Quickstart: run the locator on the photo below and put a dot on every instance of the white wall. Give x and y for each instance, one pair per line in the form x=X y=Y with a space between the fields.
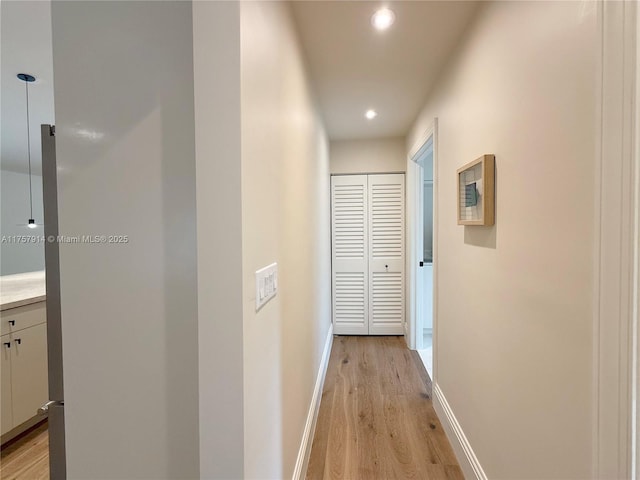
x=125 y=150
x=285 y=219
x=195 y=386
x=216 y=53
x=262 y=172
x=20 y=53
x=14 y=214
x=382 y=155
x=514 y=354
x=24 y=53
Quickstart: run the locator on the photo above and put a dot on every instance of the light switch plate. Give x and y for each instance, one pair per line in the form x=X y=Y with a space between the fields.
x=266 y=284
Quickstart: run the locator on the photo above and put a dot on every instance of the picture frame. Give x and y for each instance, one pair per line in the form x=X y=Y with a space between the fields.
x=476 y=192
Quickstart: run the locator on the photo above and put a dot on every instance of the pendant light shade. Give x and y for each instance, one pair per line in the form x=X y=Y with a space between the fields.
x=27 y=79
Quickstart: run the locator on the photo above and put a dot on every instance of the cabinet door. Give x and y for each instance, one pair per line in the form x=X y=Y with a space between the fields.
x=386 y=254
x=6 y=421
x=28 y=372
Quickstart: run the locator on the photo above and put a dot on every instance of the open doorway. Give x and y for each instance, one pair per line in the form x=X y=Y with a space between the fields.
x=425 y=295
x=422 y=245
x=30 y=350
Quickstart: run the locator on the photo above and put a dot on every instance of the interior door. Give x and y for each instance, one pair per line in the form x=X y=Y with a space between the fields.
x=386 y=254
x=349 y=241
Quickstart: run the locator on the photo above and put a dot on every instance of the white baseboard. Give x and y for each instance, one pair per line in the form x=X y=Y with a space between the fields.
x=310 y=426
x=466 y=457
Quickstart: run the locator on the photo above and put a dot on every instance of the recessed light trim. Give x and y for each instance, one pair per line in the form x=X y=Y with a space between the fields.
x=371 y=114
x=383 y=19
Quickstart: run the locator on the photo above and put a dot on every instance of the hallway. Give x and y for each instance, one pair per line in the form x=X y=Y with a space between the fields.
x=376 y=418
x=231 y=194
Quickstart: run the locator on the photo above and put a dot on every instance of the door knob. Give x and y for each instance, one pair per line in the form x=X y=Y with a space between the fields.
x=12 y=323
x=422 y=264
x=7 y=344
x=18 y=341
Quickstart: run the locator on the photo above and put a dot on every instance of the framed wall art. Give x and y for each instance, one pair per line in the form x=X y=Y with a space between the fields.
x=476 y=192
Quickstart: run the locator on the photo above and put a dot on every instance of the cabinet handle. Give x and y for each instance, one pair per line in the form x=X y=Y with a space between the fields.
x=18 y=341
x=12 y=323
x=7 y=344
x=44 y=409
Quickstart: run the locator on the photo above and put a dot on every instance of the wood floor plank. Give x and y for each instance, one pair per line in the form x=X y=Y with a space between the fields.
x=391 y=382
x=369 y=410
x=27 y=457
x=379 y=422
x=430 y=434
x=422 y=371
x=317 y=461
x=444 y=472
x=453 y=472
x=319 y=445
x=399 y=449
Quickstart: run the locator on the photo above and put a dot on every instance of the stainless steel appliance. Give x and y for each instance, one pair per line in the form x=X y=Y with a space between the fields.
x=55 y=406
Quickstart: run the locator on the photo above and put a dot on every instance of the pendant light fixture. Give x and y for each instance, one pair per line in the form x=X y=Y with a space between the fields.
x=27 y=79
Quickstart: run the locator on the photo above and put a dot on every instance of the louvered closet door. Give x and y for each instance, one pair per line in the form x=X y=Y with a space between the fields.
x=386 y=257
x=349 y=254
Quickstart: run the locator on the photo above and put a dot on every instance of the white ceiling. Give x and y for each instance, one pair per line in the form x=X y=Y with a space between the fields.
x=25 y=40
x=354 y=67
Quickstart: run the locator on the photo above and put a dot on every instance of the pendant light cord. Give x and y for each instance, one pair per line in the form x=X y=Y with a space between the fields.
x=26 y=86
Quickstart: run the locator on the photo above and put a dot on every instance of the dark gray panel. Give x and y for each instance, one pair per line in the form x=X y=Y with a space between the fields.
x=57 y=458
x=57 y=452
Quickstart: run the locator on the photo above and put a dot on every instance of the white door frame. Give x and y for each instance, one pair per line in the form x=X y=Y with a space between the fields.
x=636 y=276
x=616 y=247
x=415 y=246
x=415 y=190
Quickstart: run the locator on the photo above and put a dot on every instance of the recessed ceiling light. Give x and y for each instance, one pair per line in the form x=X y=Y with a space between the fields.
x=371 y=114
x=383 y=19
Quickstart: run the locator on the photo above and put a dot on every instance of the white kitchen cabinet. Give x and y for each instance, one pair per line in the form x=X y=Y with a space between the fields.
x=29 y=389
x=19 y=318
x=6 y=419
x=24 y=366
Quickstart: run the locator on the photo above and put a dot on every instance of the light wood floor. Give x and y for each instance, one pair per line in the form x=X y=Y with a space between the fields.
x=376 y=421
x=27 y=457
x=376 y=418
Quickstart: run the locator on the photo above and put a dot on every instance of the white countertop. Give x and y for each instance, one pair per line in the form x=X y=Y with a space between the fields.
x=22 y=289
